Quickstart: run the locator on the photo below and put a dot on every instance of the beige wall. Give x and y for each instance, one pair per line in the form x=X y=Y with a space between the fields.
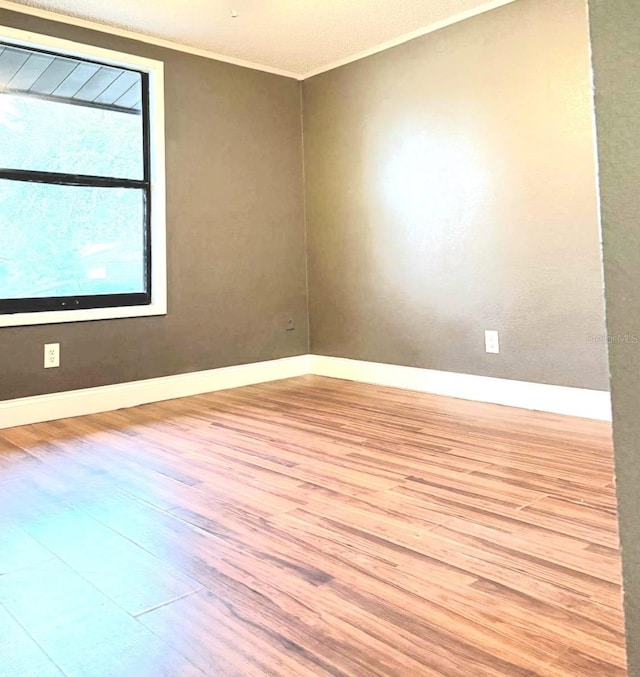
x=235 y=229
x=615 y=36
x=450 y=188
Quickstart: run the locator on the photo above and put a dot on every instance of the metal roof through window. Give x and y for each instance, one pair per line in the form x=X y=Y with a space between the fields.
x=61 y=78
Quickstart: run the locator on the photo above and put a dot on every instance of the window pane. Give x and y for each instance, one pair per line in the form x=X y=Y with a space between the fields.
x=70 y=240
x=55 y=136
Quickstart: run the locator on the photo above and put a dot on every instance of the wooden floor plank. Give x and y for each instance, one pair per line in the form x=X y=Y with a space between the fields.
x=80 y=630
x=19 y=653
x=18 y=549
x=106 y=560
x=310 y=526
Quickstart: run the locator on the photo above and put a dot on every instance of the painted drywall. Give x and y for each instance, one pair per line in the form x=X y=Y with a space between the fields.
x=615 y=37
x=450 y=188
x=235 y=229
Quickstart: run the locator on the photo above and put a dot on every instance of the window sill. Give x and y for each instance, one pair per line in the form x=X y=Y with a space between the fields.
x=89 y=315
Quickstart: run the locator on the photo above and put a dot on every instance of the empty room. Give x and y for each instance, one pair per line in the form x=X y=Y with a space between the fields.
x=319 y=338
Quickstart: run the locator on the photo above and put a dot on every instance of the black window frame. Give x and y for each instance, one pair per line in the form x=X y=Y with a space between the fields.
x=93 y=301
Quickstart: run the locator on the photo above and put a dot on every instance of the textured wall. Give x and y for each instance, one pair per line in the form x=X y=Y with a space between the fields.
x=235 y=227
x=451 y=188
x=615 y=36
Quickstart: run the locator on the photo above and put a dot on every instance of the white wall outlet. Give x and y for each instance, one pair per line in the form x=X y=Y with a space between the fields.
x=492 y=341
x=51 y=355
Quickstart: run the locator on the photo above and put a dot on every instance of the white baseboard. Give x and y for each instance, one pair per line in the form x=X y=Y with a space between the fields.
x=119 y=396
x=594 y=404
x=556 y=399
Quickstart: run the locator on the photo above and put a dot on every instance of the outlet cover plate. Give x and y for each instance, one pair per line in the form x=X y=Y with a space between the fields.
x=492 y=341
x=51 y=355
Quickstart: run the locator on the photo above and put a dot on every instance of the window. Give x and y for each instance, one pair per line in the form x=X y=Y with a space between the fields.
x=82 y=233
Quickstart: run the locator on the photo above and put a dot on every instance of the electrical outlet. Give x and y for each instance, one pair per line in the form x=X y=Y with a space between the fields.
x=51 y=355
x=492 y=341
x=290 y=321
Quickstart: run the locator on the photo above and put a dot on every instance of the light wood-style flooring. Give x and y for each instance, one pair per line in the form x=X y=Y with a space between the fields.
x=310 y=527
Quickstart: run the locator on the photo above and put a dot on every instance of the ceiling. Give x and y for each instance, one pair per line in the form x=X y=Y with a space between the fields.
x=293 y=37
